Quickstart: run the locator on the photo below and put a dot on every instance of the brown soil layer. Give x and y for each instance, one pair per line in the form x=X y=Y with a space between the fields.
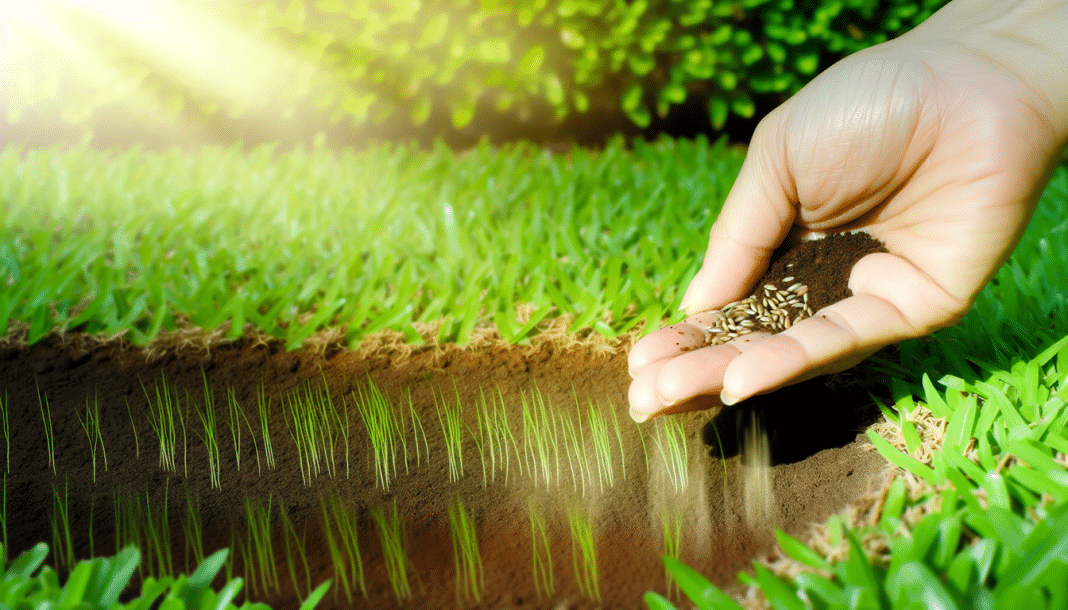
x=817 y=480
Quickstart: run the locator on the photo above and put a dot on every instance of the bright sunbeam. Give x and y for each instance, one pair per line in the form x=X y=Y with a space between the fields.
x=134 y=12
x=51 y=43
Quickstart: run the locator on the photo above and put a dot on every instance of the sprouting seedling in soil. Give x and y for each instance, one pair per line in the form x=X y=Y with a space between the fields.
x=263 y=404
x=341 y=530
x=62 y=541
x=289 y=532
x=3 y=523
x=315 y=429
x=542 y=561
x=418 y=432
x=137 y=443
x=259 y=548
x=211 y=441
x=91 y=425
x=302 y=431
x=671 y=445
x=584 y=554
x=494 y=436
x=576 y=455
x=382 y=429
x=537 y=437
x=671 y=526
x=46 y=419
x=92 y=508
x=619 y=440
x=602 y=445
x=331 y=412
x=7 y=432
x=392 y=539
x=508 y=443
x=236 y=413
x=193 y=532
x=158 y=535
x=162 y=416
x=465 y=553
x=452 y=430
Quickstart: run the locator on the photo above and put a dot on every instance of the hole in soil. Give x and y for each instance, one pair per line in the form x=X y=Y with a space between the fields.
x=800 y=420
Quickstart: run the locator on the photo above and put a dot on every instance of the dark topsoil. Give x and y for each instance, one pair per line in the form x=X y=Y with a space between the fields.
x=821 y=467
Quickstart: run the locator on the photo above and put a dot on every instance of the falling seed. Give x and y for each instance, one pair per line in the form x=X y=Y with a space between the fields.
x=802 y=291
x=769 y=287
x=794 y=287
x=788 y=279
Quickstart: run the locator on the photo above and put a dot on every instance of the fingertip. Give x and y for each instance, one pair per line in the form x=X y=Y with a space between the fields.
x=728 y=399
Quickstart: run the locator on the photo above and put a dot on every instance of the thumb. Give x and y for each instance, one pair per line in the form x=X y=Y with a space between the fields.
x=756 y=217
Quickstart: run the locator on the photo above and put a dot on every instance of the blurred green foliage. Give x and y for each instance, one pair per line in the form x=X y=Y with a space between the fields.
x=445 y=59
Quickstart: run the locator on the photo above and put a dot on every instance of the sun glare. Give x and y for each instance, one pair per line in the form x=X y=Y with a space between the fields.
x=134 y=12
x=201 y=53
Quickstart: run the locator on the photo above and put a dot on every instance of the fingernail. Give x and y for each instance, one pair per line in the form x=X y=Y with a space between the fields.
x=638 y=417
x=728 y=399
x=691 y=291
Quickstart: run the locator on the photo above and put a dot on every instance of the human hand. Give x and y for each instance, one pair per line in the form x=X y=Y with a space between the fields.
x=938 y=143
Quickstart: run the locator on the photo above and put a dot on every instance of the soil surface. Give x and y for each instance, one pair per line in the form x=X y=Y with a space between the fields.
x=822 y=465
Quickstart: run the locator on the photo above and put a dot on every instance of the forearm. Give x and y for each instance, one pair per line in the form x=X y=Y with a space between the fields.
x=1028 y=38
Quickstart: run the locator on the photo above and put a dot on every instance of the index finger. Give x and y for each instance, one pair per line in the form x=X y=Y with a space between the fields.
x=756 y=217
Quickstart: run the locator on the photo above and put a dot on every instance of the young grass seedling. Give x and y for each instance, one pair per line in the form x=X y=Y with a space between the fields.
x=584 y=554
x=290 y=532
x=344 y=546
x=452 y=430
x=671 y=526
x=158 y=536
x=602 y=445
x=193 y=533
x=619 y=441
x=418 y=431
x=92 y=508
x=382 y=429
x=506 y=436
x=537 y=440
x=137 y=444
x=7 y=431
x=259 y=547
x=392 y=539
x=671 y=444
x=263 y=404
x=315 y=428
x=542 y=562
x=465 y=554
x=62 y=541
x=91 y=425
x=162 y=416
x=236 y=413
x=576 y=454
x=211 y=441
x=46 y=419
x=494 y=434
x=233 y=410
x=3 y=523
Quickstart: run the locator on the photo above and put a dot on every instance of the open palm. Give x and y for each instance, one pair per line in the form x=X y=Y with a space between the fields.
x=932 y=148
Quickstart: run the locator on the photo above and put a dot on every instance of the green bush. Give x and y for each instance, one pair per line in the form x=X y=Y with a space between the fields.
x=375 y=61
x=642 y=56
